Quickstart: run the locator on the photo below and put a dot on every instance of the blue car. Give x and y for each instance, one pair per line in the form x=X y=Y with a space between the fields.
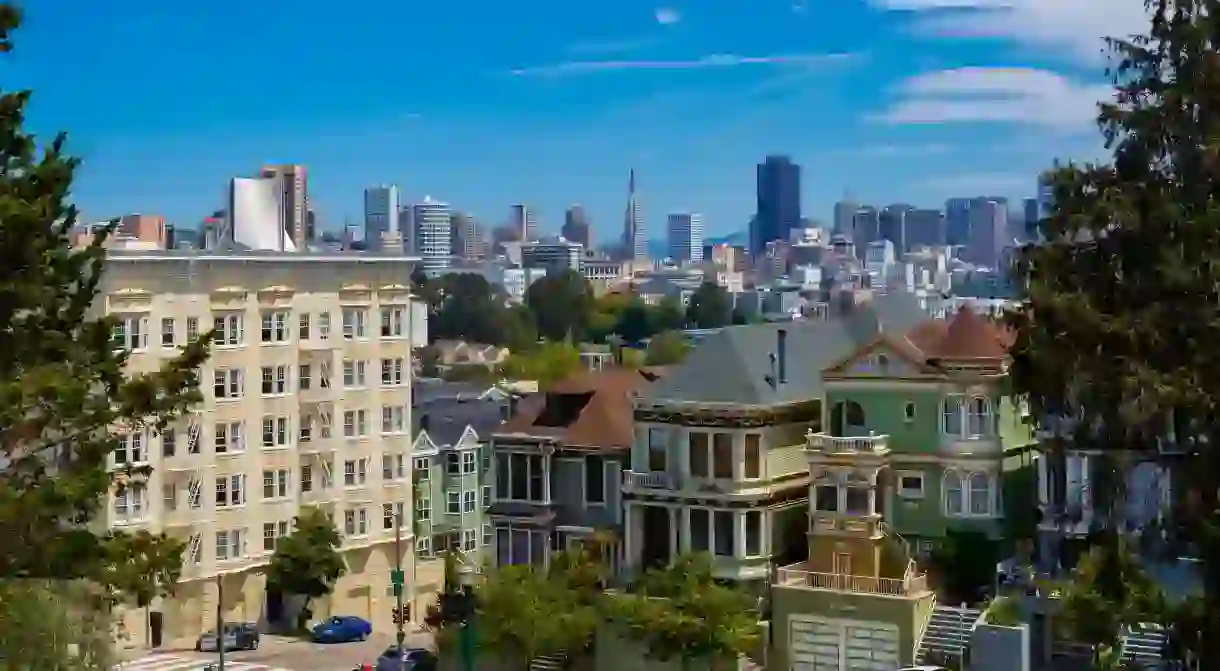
x=342 y=629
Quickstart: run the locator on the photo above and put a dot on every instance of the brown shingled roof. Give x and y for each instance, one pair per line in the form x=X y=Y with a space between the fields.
x=970 y=336
x=591 y=410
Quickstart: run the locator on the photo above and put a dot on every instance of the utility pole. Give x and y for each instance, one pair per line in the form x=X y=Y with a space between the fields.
x=220 y=621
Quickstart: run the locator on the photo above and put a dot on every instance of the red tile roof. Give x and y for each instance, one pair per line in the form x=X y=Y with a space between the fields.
x=967 y=336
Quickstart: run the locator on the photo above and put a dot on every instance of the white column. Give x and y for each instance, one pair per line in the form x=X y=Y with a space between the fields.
x=684 y=537
x=739 y=535
x=546 y=479
x=630 y=547
x=739 y=455
x=683 y=450
x=673 y=531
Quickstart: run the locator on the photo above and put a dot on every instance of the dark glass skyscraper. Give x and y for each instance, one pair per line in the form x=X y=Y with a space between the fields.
x=779 y=202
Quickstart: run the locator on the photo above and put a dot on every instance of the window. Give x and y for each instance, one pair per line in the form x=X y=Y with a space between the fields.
x=826 y=498
x=167 y=332
x=229 y=330
x=130 y=449
x=469 y=539
x=349 y=522
x=595 y=480
x=953 y=493
x=355 y=424
x=303 y=326
x=304 y=375
x=130 y=333
x=470 y=462
x=754 y=522
x=910 y=485
x=520 y=547
x=908 y=411
x=700 y=530
x=230 y=490
x=453 y=465
x=486 y=495
x=306 y=478
x=980 y=494
x=657 y=450
x=722 y=533
x=392 y=372
x=951 y=421
x=423 y=546
x=753 y=456
x=487 y=535
x=275 y=327
x=519 y=477
x=722 y=456
x=470 y=501
x=354 y=325
x=169 y=442
x=130 y=503
x=227 y=383
x=420 y=468
x=387 y=467
x=230 y=545
x=269 y=536
x=423 y=507
x=275 y=431
x=355 y=472
x=353 y=374
x=856 y=499
x=393 y=320
x=391 y=512
x=699 y=456
x=192 y=328
x=979 y=417
x=306 y=432
x=275 y=483
x=393 y=418
x=169 y=496
x=323 y=326
x=275 y=380
x=968 y=417
x=453 y=503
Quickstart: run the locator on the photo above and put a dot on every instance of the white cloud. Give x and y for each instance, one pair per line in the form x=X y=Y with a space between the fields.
x=1072 y=28
x=667 y=16
x=710 y=61
x=1005 y=95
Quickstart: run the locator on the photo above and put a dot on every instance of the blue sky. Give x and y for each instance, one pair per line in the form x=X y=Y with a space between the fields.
x=484 y=104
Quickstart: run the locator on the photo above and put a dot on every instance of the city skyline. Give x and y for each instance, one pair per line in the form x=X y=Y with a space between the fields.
x=895 y=117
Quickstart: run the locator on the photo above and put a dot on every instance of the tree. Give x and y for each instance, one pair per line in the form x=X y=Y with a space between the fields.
x=965 y=561
x=1119 y=307
x=67 y=398
x=635 y=321
x=561 y=304
x=668 y=315
x=709 y=307
x=517 y=328
x=666 y=348
x=1108 y=591
x=307 y=561
x=548 y=363
x=682 y=613
x=429 y=362
x=55 y=625
x=468 y=309
x=525 y=613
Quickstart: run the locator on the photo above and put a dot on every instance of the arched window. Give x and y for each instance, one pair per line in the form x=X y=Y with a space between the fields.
x=855 y=414
x=953 y=493
x=980 y=494
x=980 y=416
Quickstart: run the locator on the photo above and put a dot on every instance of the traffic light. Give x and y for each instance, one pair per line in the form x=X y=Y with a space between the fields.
x=397 y=616
x=403 y=615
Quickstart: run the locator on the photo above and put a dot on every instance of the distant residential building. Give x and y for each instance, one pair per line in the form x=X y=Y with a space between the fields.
x=143 y=231
x=381 y=209
x=524 y=220
x=778 y=202
x=576 y=225
x=468 y=241
x=432 y=227
x=685 y=237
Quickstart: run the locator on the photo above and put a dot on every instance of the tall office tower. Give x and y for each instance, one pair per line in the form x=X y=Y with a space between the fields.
x=844 y=211
x=380 y=214
x=957 y=221
x=311 y=225
x=295 y=182
x=276 y=431
x=1031 y=210
x=925 y=227
x=865 y=227
x=433 y=230
x=524 y=219
x=255 y=215
x=685 y=237
x=635 y=245
x=778 y=202
x=554 y=255
x=892 y=225
x=576 y=225
x=468 y=242
x=988 y=235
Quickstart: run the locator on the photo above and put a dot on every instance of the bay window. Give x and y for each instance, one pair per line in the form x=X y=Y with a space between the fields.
x=971 y=495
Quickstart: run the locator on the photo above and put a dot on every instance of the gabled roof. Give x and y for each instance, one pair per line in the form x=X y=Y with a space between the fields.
x=971 y=336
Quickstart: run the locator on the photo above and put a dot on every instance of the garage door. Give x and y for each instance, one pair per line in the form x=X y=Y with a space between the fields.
x=824 y=644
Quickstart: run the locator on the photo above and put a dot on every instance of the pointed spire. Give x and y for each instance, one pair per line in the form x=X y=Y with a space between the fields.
x=631 y=182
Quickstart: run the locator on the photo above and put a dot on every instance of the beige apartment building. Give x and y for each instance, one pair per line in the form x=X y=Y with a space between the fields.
x=307 y=402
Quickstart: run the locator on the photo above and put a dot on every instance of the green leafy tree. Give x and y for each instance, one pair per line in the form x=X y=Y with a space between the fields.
x=965 y=563
x=561 y=304
x=55 y=625
x=66 y=394
x=548 y=363
x=709 y=307
x=524 y=613
x=517 y=328
x=1119 y=309
x=681 y=613
x=668 y=315
x=666 y=348
x=307 y=561
x=635 y=321
x=1108 y=590
x=429 y=362
x=469 y=309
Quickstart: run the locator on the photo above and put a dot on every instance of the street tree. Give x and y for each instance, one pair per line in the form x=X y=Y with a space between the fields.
x=48 y=624
x=682 y=614
x=67 y=398
x=709 y=307
x=307 y=562
x=525 y=613
x=1119 y=306
x=666 y=348
x=547 y=363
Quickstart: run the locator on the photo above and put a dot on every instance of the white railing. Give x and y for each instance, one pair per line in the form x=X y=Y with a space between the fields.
x=647 y=480
x=823 y=442
x=909 y=585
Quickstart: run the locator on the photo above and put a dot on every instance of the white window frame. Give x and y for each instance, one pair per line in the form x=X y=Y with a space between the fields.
x=394 y=321
x=392 y=372
x=963 y=407
x=130 y=332
x=168 y=335
x=355 y=323
x=908 y=493
x=230 y=330
x=274 y=327
x=965 y=480
x=228 y=381
x=453 y=502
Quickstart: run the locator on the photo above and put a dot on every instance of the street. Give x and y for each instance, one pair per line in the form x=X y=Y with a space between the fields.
x=281 y=653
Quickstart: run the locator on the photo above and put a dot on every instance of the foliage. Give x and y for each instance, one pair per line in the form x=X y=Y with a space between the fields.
x=965 y=562
x=54 y=625
x=1108 y=590
x=682 y=613
x=1120 y=306
x=429 y=361
x=307 y=562
x=65 y=393
x=666 y=348
x=523 y=614
x=548 y=364
x=709 y=307
x=442 y=614
x=1004 y=611
x=561 y=304
x=467 y=308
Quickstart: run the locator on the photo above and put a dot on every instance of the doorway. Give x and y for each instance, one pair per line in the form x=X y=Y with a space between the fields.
x=657 y=533
x=156 y=628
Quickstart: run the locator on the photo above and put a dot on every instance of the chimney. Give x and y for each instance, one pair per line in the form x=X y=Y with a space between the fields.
x=781 y=347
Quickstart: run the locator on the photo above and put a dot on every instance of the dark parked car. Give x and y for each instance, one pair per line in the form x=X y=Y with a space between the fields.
x=342 y=629
x=237 y=636
x=412 y=659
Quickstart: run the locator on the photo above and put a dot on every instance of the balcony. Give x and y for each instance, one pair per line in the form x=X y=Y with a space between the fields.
x=648 y=480
x=828 y=444
x=870 y=526
x=963 y=445
x=912 y=584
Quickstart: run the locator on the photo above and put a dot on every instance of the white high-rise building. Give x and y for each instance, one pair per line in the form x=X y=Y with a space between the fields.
x=433 y=232
x=256 y=214
x=380 y=214
x=306 y=402
x=685 y=237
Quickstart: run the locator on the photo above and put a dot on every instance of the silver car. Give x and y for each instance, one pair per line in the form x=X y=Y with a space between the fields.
x=237 y=636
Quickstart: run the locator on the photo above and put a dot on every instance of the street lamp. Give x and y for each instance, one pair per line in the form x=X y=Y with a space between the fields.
x=467 y=576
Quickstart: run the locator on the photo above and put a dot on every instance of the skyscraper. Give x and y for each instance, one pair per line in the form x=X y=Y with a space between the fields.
x=525 y=220
x=685 y=237
x=892 y=225
x=988 y=234
x=957 y=221
x=295 y=183
x=865 y=227
x=925 y=227
x=844 y=211
x=467 y=235
x=778 y=202
x=576 y=225
x=380 y=214
x=634 y=243
x=433 y=233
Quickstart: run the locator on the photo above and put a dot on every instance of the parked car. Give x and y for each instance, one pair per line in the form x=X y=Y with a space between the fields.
x=237 y=636
x=923 y=668
x=342 y=629
x=412 y=659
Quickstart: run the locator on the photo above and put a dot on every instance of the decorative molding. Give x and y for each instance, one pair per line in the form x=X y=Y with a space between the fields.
x=741 y=417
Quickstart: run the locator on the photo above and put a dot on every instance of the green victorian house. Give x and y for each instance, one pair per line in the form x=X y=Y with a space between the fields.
x=918 y=438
